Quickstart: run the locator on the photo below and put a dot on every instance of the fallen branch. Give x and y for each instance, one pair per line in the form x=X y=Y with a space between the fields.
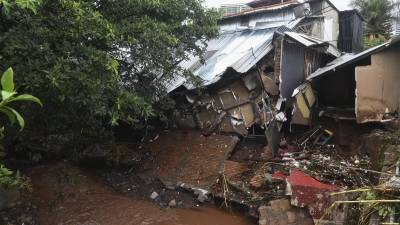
x=368 y=201
x=225 y=190
x=362 y=190
x=364 y=170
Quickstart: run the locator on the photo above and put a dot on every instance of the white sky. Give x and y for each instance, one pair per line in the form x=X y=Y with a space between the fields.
x=340 y=4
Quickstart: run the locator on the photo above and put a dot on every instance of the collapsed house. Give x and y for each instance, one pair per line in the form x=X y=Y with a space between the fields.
x=368 y=84
x=296 y=73
x=261 y=56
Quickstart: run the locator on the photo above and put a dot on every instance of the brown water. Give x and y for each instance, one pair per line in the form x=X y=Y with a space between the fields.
x=66 y=196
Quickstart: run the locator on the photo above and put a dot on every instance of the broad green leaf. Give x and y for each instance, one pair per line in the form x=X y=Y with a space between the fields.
x=6 y=95
x=18 y=116
x=26 y=97
x=7 y=80
x=9 y=114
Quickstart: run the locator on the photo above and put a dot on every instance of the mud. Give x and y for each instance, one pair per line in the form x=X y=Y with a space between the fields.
x=189 y=157
x=65 y=195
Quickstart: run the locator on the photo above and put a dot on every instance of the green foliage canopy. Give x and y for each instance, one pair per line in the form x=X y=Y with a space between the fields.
x=97 y=63
x=378 y=15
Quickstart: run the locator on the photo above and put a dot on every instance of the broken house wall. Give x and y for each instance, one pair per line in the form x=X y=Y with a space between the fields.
x=378 y=86
x=312 y=27
x=297 y=63
x=239 y=100
x=292 y=67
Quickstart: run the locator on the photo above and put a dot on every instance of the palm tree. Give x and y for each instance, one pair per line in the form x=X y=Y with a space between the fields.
x=378 y=16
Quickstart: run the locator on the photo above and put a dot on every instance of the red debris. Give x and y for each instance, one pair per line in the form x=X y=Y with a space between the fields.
x=309 y=192
x=279 y=175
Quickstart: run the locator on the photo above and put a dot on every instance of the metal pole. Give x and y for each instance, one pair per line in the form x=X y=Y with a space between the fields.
x=393 y=209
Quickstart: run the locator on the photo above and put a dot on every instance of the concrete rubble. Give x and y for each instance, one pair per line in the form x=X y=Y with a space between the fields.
x=280 y=212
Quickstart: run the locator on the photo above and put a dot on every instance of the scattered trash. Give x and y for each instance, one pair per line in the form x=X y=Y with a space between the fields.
x=154 y=195
x=172 y=203
x=315 y=138
x=201 y=194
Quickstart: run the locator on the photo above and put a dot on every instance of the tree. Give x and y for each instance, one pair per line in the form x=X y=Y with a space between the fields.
x=156 y=36
x=377 y=14
x=97 y=63
x=7 y=5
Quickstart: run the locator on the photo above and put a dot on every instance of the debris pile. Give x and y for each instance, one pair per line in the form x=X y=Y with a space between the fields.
x=333 y=169
x=305 y=171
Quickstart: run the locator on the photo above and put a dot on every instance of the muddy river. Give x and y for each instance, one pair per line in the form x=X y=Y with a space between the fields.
x=67 y=196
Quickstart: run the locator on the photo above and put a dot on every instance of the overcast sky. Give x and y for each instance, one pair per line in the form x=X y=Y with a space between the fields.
x=340 y=4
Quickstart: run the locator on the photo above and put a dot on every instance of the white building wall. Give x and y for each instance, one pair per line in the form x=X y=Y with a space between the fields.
x=396 y=24
x=331 y=23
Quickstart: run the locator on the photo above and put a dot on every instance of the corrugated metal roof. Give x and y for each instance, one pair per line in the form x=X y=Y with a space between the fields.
x=304 y=39
x=309 y=41
x=347 y=59
x=239 y=50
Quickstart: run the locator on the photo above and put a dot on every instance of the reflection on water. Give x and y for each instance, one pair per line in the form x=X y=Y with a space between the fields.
x=65 y=196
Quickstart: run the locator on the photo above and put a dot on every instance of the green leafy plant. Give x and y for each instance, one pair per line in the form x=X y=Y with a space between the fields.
x=372 y=42
x=7 y=5
x=383 y=209
x=9 y=95
x=10 y=179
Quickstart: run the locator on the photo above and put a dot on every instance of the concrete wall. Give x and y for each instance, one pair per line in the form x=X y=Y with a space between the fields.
x=378 y=86
x=331 y=23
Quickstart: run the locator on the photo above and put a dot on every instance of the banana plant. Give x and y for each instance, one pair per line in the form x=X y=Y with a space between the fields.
x=9 y=95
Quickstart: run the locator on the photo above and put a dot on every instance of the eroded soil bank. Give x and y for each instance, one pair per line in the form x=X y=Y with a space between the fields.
x=66 y=195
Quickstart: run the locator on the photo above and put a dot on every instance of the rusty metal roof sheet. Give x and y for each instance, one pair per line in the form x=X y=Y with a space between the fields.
x=347 y=59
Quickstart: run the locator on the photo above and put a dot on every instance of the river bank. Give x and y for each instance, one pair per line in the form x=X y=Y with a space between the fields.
x=65 y=194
